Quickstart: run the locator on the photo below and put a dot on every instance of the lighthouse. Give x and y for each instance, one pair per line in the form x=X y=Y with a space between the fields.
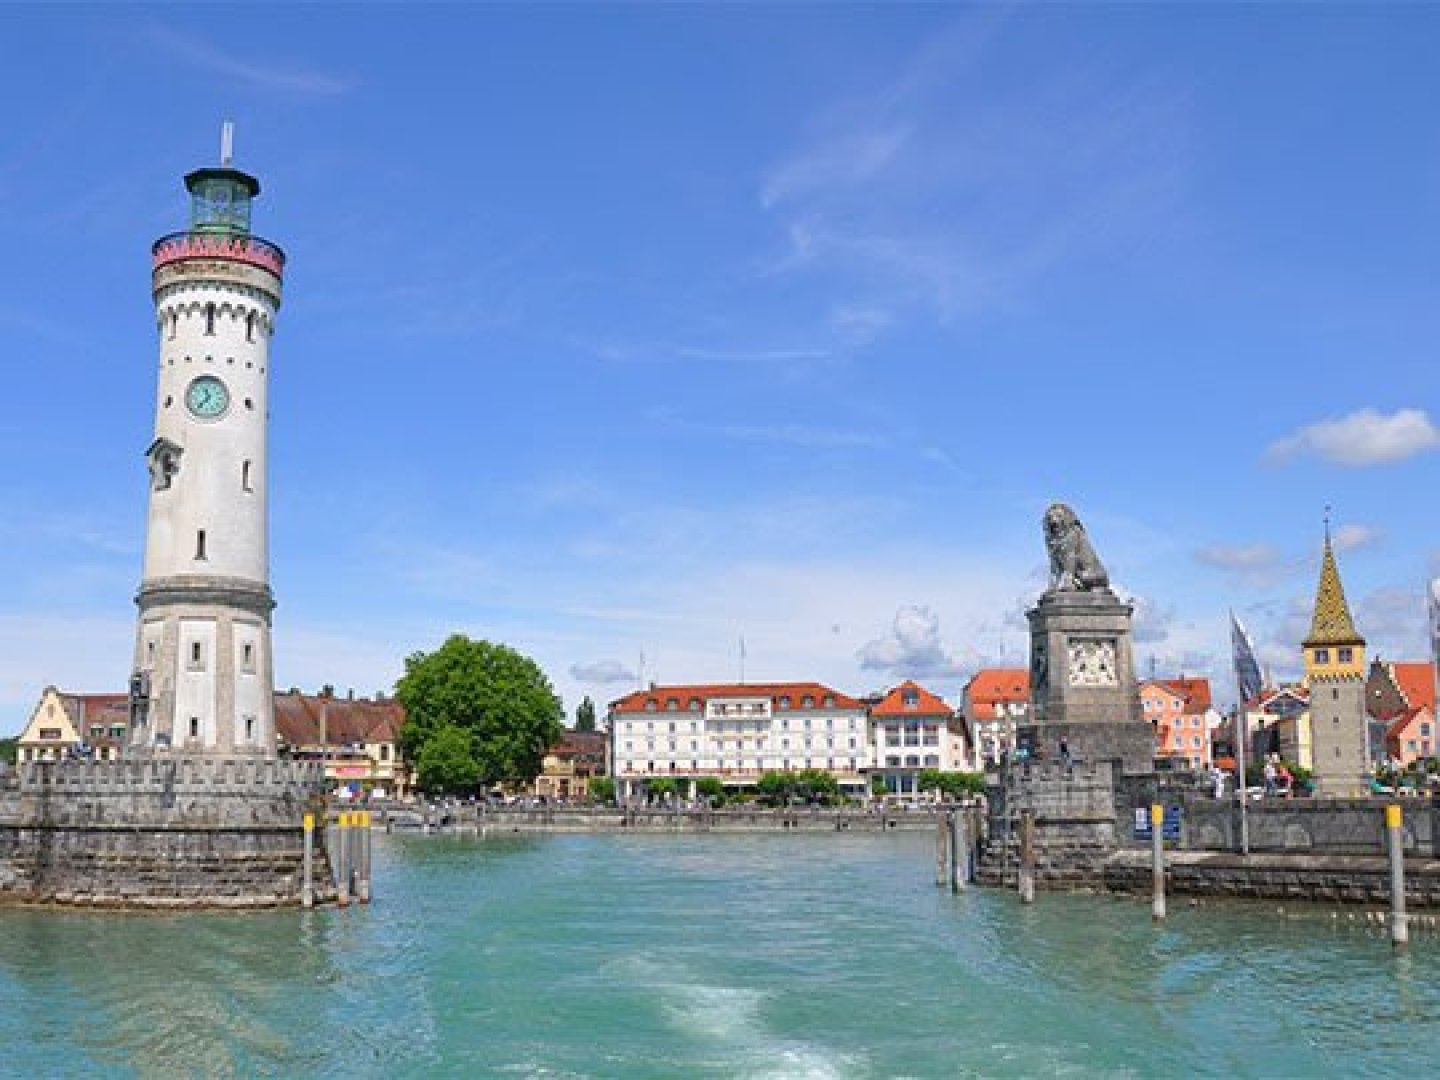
x=203 y=678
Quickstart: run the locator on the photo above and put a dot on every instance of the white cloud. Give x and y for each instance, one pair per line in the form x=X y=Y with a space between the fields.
x=1353 y=537
x=1363 y=438
x=1246 y=557
x=603 y=672
x=913 y=649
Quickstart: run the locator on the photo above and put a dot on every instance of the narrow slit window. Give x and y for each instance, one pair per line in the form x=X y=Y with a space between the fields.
x=194 y=727
x=247 y=657
x=150 y=650
x=245 y=477
x=249 y=727
x=195 y=654
x=200 y=544
x=174 y=321
x=210 y=320
x=250 y=327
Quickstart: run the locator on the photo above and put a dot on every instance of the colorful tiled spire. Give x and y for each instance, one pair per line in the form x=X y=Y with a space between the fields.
x=1332 y=623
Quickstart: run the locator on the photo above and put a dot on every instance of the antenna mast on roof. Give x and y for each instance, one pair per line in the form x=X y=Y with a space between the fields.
x=227 y=143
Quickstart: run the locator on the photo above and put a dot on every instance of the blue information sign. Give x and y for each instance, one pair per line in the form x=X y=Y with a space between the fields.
x=1169 y=830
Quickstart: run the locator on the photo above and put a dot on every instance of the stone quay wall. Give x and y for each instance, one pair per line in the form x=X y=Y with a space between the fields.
x=1329 y=850
x=161 y=832
x=579 y=819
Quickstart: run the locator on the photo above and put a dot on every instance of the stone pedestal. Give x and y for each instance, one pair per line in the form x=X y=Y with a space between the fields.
x=1082 y=682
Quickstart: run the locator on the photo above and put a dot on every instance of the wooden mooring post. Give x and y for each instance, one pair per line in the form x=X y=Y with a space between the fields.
x=362 y=861
x=1395 y=835
x=959 y=851
x=342 y=859
x=940 y=853
x=307 y=864
x=1157 y=861
x=1025 y=879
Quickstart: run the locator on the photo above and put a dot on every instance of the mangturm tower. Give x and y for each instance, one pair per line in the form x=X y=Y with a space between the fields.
x=1335 y=673
x=203 y=681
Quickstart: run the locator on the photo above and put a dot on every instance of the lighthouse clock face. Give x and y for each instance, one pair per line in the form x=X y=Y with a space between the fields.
x=207 y=398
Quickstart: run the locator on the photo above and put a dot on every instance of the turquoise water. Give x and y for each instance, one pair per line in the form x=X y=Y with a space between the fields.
x=708 y=956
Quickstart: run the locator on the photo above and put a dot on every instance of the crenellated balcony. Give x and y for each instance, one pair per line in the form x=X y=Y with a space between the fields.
x=238 y=247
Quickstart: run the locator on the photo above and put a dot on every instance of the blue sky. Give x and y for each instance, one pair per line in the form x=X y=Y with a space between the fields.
x=614 y=331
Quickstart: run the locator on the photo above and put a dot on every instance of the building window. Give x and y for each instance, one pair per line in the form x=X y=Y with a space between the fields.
x=807 y=702
x=210 y=320
x=384 y=751
x=197 y=656
x=249 y=727
x=250 y=327
x=1322 y=656
x=1346 y=655
x=200 y=544
x=194 y=727
x=245 y=477
x=784 y=701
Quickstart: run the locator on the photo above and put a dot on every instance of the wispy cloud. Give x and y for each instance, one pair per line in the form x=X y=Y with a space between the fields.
x=199 y=53
x=937 y=192
x=1364 y=438
x=602 y=672
x=1352 y=537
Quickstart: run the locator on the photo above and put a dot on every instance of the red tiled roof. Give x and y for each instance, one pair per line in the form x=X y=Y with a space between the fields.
x=683 y=695
x=580 y=744
x=1416 y=680
x=926 y=703
x=88 y=710
x=1196 y=692
x=1398 y=726
x=347 y=720
x=995 y=685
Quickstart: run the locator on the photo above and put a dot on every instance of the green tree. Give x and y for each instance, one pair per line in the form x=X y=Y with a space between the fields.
x=8 y=749
x=446 y=763
x=780 y=788
x=585 y=715
x=602 y=788
x=711 y=789
x=877 y=786
x=497 y=697
x=952 y=785
x=661 y=788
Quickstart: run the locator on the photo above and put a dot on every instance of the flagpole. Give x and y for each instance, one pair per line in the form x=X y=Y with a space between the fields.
x=1243 y=656
x=1240 y=766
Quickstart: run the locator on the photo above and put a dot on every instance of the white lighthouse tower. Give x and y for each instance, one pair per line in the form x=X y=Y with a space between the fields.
x=203 y=680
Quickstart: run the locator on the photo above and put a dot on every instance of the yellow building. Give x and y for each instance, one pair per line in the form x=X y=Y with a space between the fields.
x=74 y=725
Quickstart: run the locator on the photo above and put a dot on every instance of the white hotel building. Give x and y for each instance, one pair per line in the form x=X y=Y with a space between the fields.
x=737 y=731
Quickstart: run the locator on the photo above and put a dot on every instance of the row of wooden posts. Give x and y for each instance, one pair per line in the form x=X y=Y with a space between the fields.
x=347 y=839
x=954 y=828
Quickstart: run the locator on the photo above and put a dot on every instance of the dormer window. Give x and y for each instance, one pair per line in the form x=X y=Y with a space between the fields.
x=671 y=704
x=784 y=701
x=651 y=704
x=694 y=704
x=807 y=702
x=828 y=701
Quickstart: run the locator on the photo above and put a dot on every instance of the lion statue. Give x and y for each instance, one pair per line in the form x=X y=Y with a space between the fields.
x=1074 y=566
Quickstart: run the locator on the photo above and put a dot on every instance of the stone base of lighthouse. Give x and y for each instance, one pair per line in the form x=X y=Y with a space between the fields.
x=167 y=831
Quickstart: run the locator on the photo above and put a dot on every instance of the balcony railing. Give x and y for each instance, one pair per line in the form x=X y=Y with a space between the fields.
x=195 y=245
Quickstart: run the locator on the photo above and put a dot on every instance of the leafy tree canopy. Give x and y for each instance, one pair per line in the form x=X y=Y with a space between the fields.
x=779 y=788
x=497 y=697
x=602 y=788
x=711 y=788
x=446 y=763
x=952 y=785
x=8 y=749
x=585 y=715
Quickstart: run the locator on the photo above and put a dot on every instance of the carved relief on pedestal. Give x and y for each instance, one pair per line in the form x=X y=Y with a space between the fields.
x=1091 y=662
